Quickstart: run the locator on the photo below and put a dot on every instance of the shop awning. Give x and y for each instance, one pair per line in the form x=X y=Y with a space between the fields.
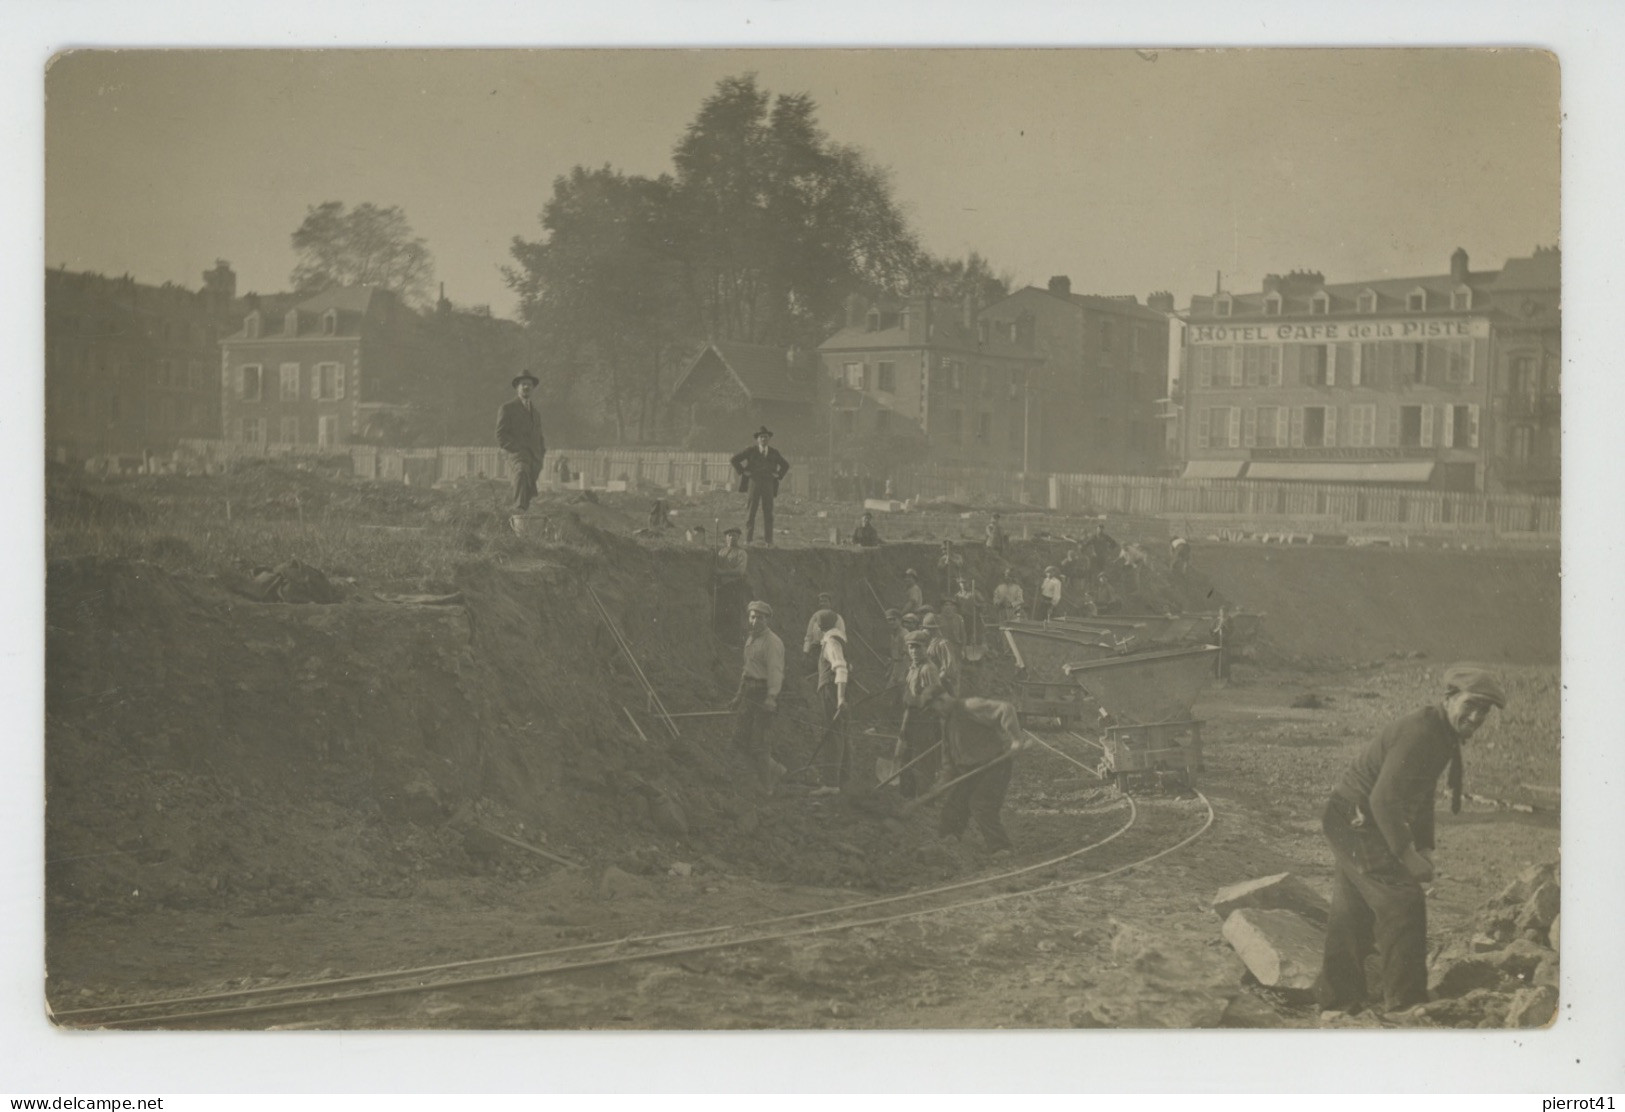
x=1213 y=468
x=1344 y=471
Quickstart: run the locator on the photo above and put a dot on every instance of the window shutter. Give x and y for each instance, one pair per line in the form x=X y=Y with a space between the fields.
x=1355 y=352
x=1427 y=426
x=1272 y=365
x=1203 y=416
x=1236 y=369
x=1235 y=426
x=1449 y=431
x=1290 y=358
x=1249 y=428
x=1472 y=351
x=1331 y=364
x=1297 y=426
x=1280 y=426
x=1331 y=427
x=1204 y=366
x=1472 y=426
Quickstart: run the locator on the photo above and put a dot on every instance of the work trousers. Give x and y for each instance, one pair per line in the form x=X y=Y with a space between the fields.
x=1376 y=906
x=526 y=468
x=750 y=726
x=979 y=796
x=761 y=495
x=921 y=730
x=835 y=761
x=1047 y=609
x=728 y=616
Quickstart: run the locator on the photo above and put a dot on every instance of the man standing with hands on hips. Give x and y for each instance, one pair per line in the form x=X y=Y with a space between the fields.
x=1379 y=822
x=519 y=434
x=760 y=468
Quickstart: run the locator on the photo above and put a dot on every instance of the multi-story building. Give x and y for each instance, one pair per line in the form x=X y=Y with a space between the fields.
x=1525 y=446
x=1382 y=381
x=1106 y=363
x=935 y=366
x=131 y=368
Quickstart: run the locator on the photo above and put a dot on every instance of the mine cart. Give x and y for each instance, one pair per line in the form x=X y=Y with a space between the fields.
x=1062 y=700
x=1149 y=734
x=1040 y=649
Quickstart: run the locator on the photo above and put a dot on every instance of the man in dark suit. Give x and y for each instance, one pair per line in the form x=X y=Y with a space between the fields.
x=760 y=468
x=519 y=434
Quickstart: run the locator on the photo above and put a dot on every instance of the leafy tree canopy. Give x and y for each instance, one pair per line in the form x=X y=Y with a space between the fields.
x=366 y=245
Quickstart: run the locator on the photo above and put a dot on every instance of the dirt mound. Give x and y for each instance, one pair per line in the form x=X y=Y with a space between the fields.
x=1334 y=606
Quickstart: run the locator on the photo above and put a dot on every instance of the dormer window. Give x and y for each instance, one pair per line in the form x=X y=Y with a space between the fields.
x=1320 y=304
x=1416 y=301
x=1461 y=298
x=874 y=320
x=251 y=325
x=1272 y=305
x=290 y=323
x=1221 y=305
x=330 y=323
x=1368 y=301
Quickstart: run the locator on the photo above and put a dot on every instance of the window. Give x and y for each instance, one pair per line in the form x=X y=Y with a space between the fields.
x=1412 y=363
x=954 y=369
x=290 y=323
x=1202 y=363
x=888 y=377
x=330 y=322
x=290 y=382
x=251 y=430
x=1461 y=298
x=248 y=383
x=1272 y=365
x=1253 y=360
x=1271 y=426
x=852 y=375
x=984 y=428
x=1461 y=426
x=289 y=431
x=1319 y=426
x=1368 y=301
x=1272 y=305
x=251 y=325
x=1219 y=426
x=1417 y=301
x=1105 y=335
x=329 y=381
x=1416 y=426
x=1348 y=364
x=1523 y=439
x=1458 y=365
x=1320 y=304
x=1221 y=305
x=1362 y=426
x=1525 y=375
x=1226 y=371
x=327 y=431
x=1315 y=365
x=956 y=425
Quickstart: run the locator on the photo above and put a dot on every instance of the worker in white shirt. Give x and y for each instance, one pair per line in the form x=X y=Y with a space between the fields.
x=833 y=674
x=1049 y=595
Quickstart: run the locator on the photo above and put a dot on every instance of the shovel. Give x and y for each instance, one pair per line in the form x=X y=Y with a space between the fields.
x=940 y=788
x=887 y=769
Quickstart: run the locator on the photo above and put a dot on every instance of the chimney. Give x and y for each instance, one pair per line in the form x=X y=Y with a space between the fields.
x=1060 y=286
x=1458 y=265
x=220 y=284
x=1163 y=302
x=1272 y=283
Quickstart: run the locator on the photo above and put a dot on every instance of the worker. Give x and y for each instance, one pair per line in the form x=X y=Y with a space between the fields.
x=897 y=657
x=1049 y=594
x=758 y=697
x=949 y=565
x=997 y=539
x=920 y=730
x=980 y=738
x=916 y=597
x=1223 y=628
x=1009 y=600
x=660 y=515
x=760 y=468
x=952 y=622
x=1106 y=599
x=972 y=607
x=833 y=675
x=695 y=534
x=866 y=534
x=1132 y=560
x=942 y=653
x=1179 y=557
x=814 y=638
x=1379 y=822
x=519 y=435
x=1102 y=549
x=729 y=585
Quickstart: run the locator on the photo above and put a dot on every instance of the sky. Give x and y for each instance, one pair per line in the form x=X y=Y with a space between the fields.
x=1130 y=171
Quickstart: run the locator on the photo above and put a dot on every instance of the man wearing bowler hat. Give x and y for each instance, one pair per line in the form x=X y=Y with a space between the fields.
x=519 y=434
x=760 y=468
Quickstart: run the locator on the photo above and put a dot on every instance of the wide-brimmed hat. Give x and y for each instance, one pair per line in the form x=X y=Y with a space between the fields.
x=763 y=431
x=526 y=376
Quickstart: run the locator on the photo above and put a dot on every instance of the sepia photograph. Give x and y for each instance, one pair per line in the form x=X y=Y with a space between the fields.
x=1158 y=450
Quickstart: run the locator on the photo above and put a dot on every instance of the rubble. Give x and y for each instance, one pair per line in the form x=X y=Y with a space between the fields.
x=1501 y=971
x=1280 y=948
x=1156 y=981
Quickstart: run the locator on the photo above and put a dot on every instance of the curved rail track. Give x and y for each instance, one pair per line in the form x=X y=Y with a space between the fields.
x=234 y=1004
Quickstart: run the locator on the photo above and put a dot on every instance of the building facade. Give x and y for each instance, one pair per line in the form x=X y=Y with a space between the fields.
x=1105 y=368
x=927 y=366
x=1386 y=381
x=728 y=390
x=132 y=368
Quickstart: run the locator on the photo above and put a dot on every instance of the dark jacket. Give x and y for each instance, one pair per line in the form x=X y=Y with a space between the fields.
x=520 y=431
x=765 y=469
x=980 y=730
x=1394 y=780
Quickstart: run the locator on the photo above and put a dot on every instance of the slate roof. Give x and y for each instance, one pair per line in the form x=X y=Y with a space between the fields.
x=763 y=372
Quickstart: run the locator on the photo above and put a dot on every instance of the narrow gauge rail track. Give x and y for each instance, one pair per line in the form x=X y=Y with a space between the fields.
x=620 y=951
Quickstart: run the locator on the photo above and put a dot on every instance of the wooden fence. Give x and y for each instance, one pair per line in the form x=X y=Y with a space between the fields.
x=1185 y=503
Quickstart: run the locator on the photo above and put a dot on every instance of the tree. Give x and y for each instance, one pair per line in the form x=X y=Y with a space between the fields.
x=367 y=245
x=958 y=279
x=774 y=223
x=601 y=292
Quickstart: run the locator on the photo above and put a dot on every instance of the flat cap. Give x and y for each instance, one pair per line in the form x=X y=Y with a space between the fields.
x=892 y=612
x=1475 y=679
x=760 y=608
x=918 y=637
x=1052 y=570
x=930 y=621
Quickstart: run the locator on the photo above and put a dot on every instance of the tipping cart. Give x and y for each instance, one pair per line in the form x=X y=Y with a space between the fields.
x=1147 y=698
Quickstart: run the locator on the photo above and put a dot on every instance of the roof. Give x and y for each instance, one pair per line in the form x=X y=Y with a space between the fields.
x=1541 y=271
x=947 y=331
x=1121 y=304
x=1344 y=297
x=353 y=304
x=762 y=372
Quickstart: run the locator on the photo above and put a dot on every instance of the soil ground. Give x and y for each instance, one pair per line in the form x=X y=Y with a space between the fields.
x=244 y=793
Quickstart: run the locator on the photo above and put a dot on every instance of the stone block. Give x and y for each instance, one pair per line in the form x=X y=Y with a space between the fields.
x=1281 y=948
x=1528 y=881
x=1283 y=891
x=1158 y=981
x=1532 y=1007
x=1539 y=909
